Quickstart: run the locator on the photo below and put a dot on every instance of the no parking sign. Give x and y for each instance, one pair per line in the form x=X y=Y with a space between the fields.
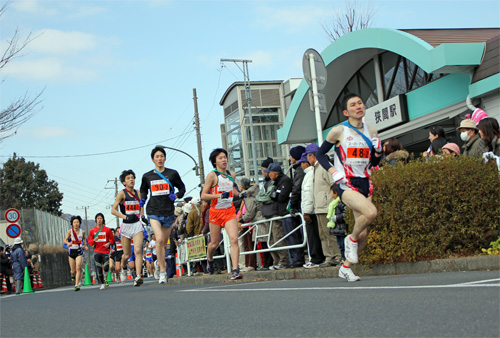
x=13 y=231
x=12 y=216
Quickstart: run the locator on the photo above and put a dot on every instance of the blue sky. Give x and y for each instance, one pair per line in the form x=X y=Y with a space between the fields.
x=119 y=75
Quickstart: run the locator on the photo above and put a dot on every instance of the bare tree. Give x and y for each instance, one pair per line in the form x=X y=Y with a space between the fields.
x=23 y=108
x=353 y=17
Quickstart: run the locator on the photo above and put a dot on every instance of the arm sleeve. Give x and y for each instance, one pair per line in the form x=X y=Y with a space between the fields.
x=144 y=188
x=322 y=157
x=374 y=161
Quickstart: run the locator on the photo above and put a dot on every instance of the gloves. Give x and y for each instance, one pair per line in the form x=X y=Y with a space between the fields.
x=144 y=220
x=377 y=145
x=142 y=202
x=224 y=195
x=132 y=218
x=243 y=195
x=172 y=197
x=334 y=218
x=338 y=177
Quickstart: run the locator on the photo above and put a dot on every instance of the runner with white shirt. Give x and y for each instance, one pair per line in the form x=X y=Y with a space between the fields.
x=75 y=240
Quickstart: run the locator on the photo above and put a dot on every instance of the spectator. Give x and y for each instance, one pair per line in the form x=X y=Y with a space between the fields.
x=469 y=134
x=490 y=135
x=451 y=149
x=251 y=215
x=5 y=269
x=336 y=219
x=437 y=146
x=194 y=222
x=394 y=152
x=279 y=202
x=322 y=198
x=435 y=132
x=315 y=251
x=19 y=263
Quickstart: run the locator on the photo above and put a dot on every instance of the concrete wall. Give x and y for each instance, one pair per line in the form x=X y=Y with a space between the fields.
x=54 y=269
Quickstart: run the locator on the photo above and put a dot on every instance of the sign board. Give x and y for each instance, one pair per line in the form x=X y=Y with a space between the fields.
x=12 y=215
x=196 y=247
x=388 y=113
x=319 y=67
x=13 y=230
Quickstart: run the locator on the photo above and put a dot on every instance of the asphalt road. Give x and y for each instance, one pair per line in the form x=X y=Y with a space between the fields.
x=448 y=304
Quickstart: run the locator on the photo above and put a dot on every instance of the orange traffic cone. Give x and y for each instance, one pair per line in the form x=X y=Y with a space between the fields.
x=4 y=285
x=40 y=280
x=177 y=270
x=93 y=278
x=129 y=276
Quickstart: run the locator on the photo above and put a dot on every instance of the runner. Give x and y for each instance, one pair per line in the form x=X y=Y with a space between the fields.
x=75 y=240
x=357 y=148
x=152 y=247
x=220 y=188
x=149 y=259
x=101 y=238
x=161 y=183
x=117 y=254
x=131 y=229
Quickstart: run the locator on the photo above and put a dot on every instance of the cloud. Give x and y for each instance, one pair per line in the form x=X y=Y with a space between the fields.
x=87 y=11
x=57 y=42
x=47 y=132
x=292 y=18
x=33 y=6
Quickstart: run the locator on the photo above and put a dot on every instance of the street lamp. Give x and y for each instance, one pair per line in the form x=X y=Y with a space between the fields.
x=196 y=167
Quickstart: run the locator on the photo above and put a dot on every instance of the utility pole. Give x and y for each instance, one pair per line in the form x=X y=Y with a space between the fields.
x=248 y=94
x=198 y=138
x=116 y=193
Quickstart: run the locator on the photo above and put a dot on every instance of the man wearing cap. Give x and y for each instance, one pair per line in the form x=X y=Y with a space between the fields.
x=19 y=263
x=279 y=196
x=470 y=135
x=322 y=198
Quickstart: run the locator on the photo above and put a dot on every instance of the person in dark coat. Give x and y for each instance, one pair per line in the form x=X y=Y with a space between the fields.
x=5 y=269
x=19 y=263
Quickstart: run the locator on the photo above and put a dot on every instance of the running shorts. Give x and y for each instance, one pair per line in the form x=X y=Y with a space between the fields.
x=222 y=216
x=363 y=185
x=131 y=229
x=73 y=253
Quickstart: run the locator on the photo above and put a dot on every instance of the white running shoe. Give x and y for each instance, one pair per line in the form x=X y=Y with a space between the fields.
x=103 y=287
x=156 y=274
x=123 y=276
x=347 y=273
x=163 y=278
x=351 y=250
x=138 y=280
x=310 y=265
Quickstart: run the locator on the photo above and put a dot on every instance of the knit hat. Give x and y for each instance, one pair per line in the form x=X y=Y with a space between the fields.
x=478 y=115
x=467 y=124
x=312 y=148
x=296 y=152
x=267 y=162
x=452 y=147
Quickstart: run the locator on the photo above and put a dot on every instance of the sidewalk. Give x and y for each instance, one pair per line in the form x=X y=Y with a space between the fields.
x=439 y=265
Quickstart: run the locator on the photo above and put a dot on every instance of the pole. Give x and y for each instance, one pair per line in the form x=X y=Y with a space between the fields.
x=116 y=193
x=317 y=114
x=198 y=139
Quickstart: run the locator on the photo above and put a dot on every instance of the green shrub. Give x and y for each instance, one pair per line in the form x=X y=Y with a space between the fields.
x=426 y=210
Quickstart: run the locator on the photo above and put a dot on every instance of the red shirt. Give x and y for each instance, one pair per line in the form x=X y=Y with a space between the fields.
x=104 y=236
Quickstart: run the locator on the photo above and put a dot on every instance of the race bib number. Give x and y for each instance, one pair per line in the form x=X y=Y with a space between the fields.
x=357 y=156
x=131 y=207
x=159 y=188
x=119 y=247
x=149 y=255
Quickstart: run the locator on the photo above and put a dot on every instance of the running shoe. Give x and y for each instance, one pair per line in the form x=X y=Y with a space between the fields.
x=123 y=276
x=72 y=278
x=106 y=284
x=103 y=287
x=347 y=274
x=163 y=278
x=351 y=250
x=138 y=280
x=236 y=275
x=210 y=267
x=278 y=267
x=77 y=287
x=310 y=265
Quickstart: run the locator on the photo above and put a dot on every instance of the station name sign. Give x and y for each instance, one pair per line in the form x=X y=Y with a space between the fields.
x=388 y=113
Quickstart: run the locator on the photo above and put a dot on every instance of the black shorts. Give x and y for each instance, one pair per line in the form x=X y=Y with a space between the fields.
x=363 y=185
x=73 y=253
x=117 y=256
x=154 y=257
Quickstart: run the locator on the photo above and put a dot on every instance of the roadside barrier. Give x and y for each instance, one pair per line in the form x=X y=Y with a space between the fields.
x=185 y=249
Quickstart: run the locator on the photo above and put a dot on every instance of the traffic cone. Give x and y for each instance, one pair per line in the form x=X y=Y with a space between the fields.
x=4 y=285
x=87 y=280
x=177 y=269
x=93 y=278
x=40 y=285
x=27 y=284
x=129 y=276
x=109 y=279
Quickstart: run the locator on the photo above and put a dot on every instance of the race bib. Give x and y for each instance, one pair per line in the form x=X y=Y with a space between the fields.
x=131 y=207
x=357 y=154
x=159 y=188
x=101 y=237
x=119 y=246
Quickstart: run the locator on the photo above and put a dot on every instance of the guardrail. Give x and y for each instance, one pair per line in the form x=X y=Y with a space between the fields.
x=182 y=249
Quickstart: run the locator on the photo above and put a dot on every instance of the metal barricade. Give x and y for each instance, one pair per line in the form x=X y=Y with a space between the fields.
x=183 y=250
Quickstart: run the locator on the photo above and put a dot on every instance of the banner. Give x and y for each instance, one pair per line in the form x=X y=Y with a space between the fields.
x=196 y=247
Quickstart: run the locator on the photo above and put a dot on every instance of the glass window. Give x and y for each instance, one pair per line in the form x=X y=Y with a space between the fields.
x=233 y=120
x=233 y=138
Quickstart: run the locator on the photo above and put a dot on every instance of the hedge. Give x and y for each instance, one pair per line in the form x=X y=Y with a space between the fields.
x=445 y=207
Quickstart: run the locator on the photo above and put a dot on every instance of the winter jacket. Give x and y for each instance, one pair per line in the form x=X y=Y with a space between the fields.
x=254 y=214
x=473 y=147
x=264 y=198
x=398 y=155
x=194 y=224
x=280 y=197
x=493 y=146
x=322 y=183
x=307 y=192
x=298 y=177
x=4 y=264
x=340 y=225
x=19 y=262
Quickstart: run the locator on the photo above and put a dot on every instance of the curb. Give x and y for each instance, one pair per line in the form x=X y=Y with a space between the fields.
x=477 y=263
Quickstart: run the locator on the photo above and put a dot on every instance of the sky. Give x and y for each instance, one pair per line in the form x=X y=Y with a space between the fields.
x=118 y=76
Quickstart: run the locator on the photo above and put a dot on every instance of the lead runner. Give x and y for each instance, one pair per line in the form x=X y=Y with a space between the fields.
x=357 y=148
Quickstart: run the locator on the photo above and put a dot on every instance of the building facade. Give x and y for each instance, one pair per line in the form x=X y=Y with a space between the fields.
x=409 y=80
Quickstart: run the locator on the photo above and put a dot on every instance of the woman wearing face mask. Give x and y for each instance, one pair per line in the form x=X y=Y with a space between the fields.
x=472 y=142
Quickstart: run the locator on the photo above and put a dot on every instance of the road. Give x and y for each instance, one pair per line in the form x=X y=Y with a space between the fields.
x=448 y=304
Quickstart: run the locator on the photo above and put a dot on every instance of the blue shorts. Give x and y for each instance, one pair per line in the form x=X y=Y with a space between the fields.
x=166 y=221
x=132 y=254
